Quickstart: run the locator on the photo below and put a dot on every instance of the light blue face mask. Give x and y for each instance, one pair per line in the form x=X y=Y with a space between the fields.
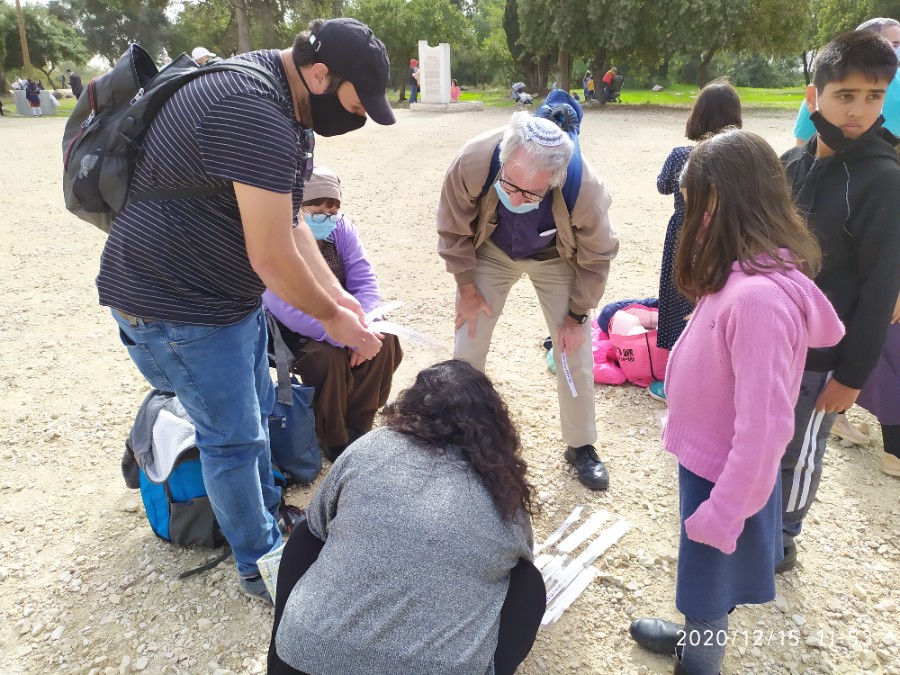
x=321 y=224
x=525 y=207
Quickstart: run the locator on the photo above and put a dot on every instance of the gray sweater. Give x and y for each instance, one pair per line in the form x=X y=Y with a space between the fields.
x=414 y=570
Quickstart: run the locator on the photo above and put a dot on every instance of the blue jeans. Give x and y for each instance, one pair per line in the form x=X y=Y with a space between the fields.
x=413 y=93
x=221 y=376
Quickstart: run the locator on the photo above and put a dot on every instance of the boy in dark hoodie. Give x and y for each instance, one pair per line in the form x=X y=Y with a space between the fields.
x=846 y=180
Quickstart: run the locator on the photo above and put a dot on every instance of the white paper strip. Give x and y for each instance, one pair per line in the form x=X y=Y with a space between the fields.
x=380 y=311
x=555 y=610
x=565 y=365
x=541 y=561
x=553 y=538
x=420 y=339
x=565 y=576
x=583 y=533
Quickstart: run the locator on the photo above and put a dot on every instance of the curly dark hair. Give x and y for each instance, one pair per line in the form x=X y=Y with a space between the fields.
x=453 y=407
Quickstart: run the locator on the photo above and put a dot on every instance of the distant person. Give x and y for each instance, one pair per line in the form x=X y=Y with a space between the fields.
x=349 y=388
x=413 y=81
x=584 y=84
x=804 y=129
x=716 y=108
x=75 y=83
x=847 y=180
x=608 y=81
x=416 y=554
x=454 y=91
x=746 y=256
x=62 y=81
x=492 y=235
x=202 y=55
x=33 y=96
x=19 y=84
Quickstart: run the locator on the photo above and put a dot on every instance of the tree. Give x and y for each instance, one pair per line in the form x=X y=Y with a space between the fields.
x=402 y=23
x=109 y=26
x=50 y=41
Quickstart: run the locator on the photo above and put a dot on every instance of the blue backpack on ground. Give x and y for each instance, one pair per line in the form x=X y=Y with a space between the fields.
x=566 y=112
x=163 y=462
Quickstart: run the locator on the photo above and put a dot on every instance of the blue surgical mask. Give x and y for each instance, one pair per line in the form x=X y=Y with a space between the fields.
x=525 y=207
x=321 y=224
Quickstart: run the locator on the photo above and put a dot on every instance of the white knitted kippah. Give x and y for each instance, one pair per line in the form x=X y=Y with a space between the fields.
x=543 y=132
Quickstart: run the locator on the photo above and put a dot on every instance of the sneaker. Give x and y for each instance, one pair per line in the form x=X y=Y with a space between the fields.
x=789 y=561
x=890 y=464
x=254 y=587
x=289 y=517
x=843 y=429
x=657 y=390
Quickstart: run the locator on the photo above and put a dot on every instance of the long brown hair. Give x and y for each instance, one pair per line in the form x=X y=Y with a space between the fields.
x=739 y=208
x=452 y=407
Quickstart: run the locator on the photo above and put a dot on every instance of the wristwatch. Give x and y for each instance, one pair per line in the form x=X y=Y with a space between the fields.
x=580 y=318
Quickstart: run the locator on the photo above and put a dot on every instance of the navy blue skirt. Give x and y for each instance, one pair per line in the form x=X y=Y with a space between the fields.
x=710 y=583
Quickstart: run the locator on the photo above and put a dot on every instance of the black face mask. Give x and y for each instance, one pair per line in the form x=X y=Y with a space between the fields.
x=834 y=138
x=330 y=118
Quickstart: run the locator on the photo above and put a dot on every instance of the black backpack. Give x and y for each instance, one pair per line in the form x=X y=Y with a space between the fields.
x=102 y=142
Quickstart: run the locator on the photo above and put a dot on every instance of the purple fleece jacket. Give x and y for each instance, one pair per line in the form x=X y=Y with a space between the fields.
x=732 y=383
x=361 y=284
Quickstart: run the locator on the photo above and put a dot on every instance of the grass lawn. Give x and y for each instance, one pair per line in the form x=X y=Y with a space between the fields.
x=677 y=95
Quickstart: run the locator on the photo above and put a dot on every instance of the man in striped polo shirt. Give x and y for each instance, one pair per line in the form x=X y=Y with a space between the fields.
x=183 y=277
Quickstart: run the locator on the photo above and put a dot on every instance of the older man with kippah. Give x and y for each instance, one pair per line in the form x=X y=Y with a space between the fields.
x=494 y=229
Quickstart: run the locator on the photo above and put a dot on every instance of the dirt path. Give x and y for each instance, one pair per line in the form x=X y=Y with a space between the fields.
x=85 y=587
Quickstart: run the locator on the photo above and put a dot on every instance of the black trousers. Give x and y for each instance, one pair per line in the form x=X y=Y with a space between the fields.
x=520 y=615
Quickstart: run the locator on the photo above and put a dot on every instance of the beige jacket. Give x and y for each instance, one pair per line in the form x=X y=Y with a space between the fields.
x=466 y=219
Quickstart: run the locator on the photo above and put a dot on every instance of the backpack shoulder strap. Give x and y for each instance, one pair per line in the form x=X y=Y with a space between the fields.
x=493 y=170
x=572 y=186
x=165 y=91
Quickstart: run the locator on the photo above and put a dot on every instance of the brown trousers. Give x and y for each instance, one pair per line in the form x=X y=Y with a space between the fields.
x=346 y=398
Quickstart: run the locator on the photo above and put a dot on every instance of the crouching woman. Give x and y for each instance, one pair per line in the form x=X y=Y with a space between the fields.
x=416 y=555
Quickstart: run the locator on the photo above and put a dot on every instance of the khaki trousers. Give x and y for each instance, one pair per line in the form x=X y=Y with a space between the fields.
x=495 y=274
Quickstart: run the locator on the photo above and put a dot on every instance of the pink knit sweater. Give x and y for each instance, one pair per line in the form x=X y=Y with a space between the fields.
x=732 y=382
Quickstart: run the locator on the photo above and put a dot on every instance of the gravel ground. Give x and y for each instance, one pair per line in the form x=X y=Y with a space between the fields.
x=85 y=587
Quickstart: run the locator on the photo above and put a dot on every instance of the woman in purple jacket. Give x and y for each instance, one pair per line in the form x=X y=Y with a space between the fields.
x=349 y=388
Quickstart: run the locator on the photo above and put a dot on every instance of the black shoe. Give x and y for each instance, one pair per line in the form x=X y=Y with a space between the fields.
x=333 y=452
x=790 y=558
x=590 y=469
x=656 y=635
x=289 y=517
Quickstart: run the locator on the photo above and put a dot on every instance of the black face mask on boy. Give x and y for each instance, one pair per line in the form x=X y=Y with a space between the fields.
x=834 y=138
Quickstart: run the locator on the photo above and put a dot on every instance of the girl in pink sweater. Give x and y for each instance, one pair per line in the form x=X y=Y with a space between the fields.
x=746 y=256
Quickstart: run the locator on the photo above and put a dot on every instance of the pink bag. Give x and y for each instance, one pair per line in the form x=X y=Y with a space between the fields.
x=606 y=367
x=633 y=334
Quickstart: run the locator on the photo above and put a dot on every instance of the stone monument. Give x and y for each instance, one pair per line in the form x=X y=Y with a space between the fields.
x=434 y=81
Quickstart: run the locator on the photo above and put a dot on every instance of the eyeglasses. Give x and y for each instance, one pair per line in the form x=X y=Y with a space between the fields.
x=322 y=217
x=527 y=195
x=309 y=141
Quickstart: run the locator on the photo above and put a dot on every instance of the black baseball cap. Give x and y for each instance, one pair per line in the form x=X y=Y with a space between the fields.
x=352 y=52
